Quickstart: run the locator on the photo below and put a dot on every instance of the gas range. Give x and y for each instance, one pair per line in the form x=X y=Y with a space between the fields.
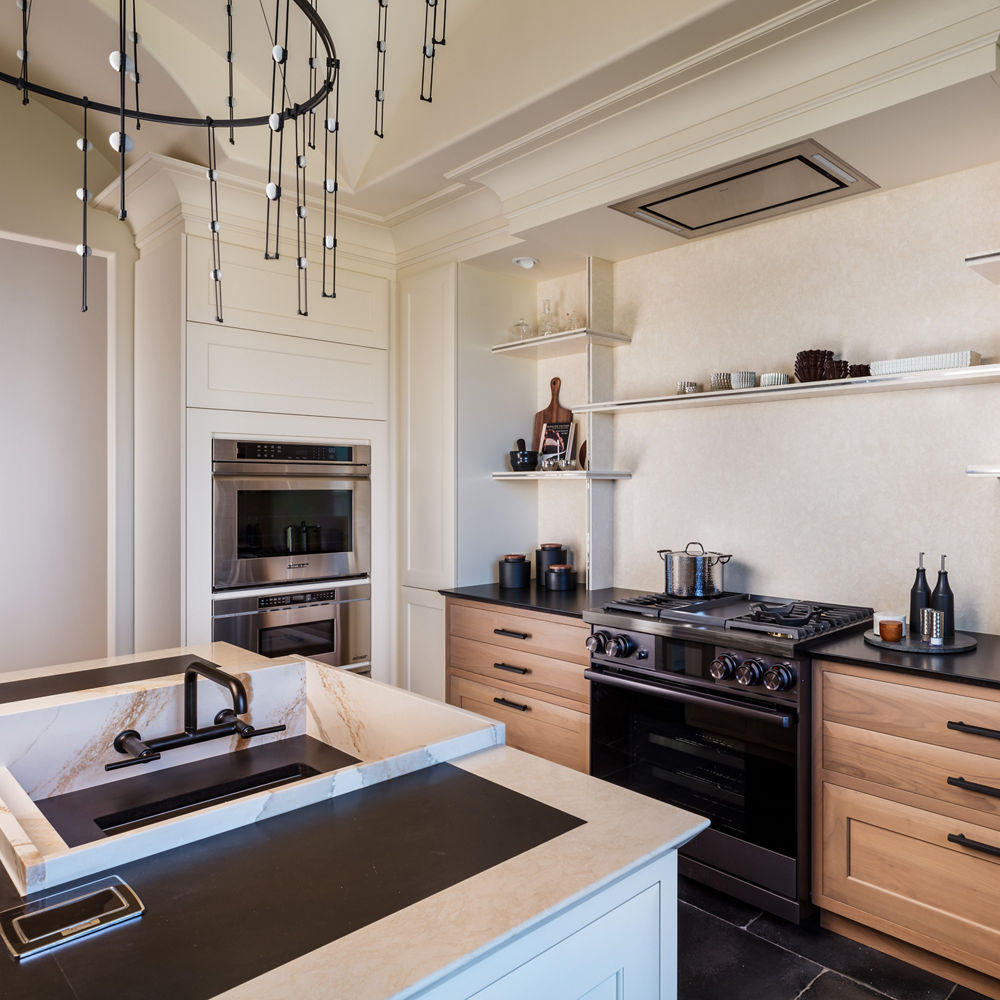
x=706 y=704
x=773 y=625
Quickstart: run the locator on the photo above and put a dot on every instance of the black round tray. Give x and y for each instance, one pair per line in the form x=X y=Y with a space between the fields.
x=960 y=643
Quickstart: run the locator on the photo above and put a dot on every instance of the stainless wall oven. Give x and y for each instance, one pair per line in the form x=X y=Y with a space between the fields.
x=284 y=512
x=332 y=625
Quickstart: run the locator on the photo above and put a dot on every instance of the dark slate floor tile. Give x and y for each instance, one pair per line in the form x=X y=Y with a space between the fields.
x=882 y=972
x=733 y=911
x=717 y=960
x=830 y=986
x=964 y=993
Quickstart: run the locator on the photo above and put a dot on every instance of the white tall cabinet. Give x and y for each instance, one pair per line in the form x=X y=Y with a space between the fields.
x=266 y=372
x=460 y=411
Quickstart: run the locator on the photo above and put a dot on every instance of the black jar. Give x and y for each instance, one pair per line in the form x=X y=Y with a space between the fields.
x=514 y=572
x=560 y=577
x=547 y=555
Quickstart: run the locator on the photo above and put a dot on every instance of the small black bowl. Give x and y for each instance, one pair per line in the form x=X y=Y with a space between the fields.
x=523 y=461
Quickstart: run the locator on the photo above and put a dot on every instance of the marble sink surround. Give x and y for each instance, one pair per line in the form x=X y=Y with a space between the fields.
x=60 y=743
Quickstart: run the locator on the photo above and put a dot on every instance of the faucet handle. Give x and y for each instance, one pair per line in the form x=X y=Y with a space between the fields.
x=128 y=741
x=243 y=729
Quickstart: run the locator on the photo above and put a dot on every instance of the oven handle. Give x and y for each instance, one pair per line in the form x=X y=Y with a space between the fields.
x=784 y=719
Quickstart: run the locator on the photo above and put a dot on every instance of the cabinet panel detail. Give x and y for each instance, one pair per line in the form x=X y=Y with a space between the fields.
x=234 y=369
x=488 y=623
x=919 y=768
x=911 y=712
x=536 y=726
x=541 y=673
x=262 y=295
x=898 y=864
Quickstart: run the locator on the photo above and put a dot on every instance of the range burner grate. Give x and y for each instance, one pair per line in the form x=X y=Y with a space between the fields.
x=799 y=619
x=660 y=605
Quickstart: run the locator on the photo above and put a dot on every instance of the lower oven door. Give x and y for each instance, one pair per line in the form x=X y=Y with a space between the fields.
x=334 y=632
x=734 y=761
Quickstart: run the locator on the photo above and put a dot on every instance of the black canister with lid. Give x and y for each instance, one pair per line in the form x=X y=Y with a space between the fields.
x=547 y=555
x=562 y=576
x=514 y=572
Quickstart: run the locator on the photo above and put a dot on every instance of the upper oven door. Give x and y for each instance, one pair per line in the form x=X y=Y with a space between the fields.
x=273 y=530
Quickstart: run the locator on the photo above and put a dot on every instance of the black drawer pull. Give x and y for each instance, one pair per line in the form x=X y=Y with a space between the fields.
x=525 y=635
x=993 y=734
x=513 y=670
x=971 y=786
x=960 y=838
x=511 y=704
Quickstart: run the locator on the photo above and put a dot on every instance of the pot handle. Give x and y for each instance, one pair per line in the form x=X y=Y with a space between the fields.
x=722 y=560
x=663 y=553
x=688 y=546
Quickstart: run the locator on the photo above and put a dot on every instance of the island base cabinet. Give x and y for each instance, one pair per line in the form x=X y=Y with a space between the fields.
x=619 y=944
x=896 y=863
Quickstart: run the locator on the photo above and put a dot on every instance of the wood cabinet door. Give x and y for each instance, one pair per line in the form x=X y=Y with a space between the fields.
x=899 y=867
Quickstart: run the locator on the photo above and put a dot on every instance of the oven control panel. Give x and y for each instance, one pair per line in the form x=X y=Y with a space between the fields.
x=288 y=600
x=642 y=654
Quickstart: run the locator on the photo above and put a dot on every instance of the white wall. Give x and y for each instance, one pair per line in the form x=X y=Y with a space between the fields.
x=826 y=498
x=40 y=170
x=54 y=503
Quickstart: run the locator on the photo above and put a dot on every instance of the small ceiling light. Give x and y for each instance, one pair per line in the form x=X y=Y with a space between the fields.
x=526 y=262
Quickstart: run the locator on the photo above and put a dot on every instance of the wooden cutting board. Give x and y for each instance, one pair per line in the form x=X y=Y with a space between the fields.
x=552 y=414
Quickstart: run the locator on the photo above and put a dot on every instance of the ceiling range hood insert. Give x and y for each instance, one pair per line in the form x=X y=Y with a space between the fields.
x=785 y=180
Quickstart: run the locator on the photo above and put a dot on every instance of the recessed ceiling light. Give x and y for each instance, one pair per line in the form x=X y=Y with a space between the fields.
x=526 y=262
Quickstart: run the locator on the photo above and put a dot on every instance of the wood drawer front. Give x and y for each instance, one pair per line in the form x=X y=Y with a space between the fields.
x=896 y=863
x=919 y=768
x=563 y=639
x=914 y=713
x=499 y=664
x=550 y=731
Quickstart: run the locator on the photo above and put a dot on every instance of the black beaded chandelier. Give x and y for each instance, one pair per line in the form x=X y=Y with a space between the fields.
x=300 y=118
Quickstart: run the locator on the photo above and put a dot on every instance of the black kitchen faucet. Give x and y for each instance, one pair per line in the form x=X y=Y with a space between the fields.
x=226 y=722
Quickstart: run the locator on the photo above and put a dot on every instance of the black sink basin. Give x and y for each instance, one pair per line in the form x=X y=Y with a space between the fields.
x=93 y=813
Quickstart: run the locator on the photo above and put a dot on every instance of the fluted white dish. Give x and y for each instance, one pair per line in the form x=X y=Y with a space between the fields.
x=926 y=362
x=774 y=378
x=743 y=380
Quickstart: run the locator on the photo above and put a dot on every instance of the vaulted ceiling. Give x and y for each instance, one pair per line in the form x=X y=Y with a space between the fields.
x=545 y=109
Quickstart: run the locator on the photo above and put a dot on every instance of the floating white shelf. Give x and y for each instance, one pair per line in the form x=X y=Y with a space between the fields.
x=802 y=390
x=983 y=470
x=560 y=344
x=567 y=474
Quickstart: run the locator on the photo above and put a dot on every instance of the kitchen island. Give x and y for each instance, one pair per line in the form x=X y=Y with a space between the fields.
x=495 y=871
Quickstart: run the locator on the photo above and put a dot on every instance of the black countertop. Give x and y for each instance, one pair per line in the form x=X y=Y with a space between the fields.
x=534 y=598
x=978 y=666
x=222 y=911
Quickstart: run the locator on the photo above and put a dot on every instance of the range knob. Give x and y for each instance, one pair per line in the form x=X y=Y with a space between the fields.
x=750 y=673
x=779 y=678
x=723 y=668
x=619 y=645
x=598 y=642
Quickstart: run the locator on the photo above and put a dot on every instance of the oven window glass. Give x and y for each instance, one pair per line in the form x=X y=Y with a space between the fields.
x=304 y=639
x=737 y=771
x=293 y=522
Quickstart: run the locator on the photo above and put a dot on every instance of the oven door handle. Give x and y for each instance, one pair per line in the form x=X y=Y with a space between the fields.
x=784 y=719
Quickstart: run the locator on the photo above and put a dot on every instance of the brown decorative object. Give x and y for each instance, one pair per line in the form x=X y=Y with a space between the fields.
x=835 y=369
x=809 y=365
x=552 y=414
x=583 y=456
x=859 y=371
x=890 y=631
